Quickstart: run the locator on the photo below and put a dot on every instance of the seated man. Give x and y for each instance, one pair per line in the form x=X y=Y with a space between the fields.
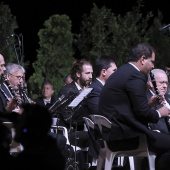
x=81 y=73
x=47 y=97
x=160 y=89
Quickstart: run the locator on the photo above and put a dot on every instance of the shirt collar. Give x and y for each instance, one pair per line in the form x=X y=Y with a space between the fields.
x=134 y=66
x=100 y=81
x=78 y=87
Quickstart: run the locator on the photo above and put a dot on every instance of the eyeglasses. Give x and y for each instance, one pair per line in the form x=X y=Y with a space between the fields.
x=18 y=77
x=163 y=82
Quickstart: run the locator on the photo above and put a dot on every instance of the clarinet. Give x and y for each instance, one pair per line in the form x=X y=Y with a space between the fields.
x=164 y=102
x=24 y=96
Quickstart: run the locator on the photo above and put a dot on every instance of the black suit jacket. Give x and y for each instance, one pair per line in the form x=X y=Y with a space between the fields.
x=123 y=101
x=93 y=97
x=3 y=98
x=40 y=101
x=69 y=88
x=67 y=114
x=162 y=125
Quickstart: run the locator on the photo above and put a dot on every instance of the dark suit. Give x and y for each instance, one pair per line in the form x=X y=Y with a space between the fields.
x=77 y=136
x=93 y=97
x=124 y=102
x=69 y=88
x=3 y=98
x=40 y=101
x=162 y=125
x=70 y=92
x=92 y=108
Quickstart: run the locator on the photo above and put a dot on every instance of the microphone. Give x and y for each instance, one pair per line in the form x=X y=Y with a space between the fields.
x=164 y=27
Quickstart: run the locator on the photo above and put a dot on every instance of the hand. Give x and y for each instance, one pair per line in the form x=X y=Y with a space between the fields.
x=153 y=101
x=12 y=104
x=164 y=111
x=18 y=110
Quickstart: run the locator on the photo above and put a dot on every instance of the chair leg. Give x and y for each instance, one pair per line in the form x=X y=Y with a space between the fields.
x=120 y=161
x=131 y=163
x=151 y=160
x=109 y=160
x=100 y=160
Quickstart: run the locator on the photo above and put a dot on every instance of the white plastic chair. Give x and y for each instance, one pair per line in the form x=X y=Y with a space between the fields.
x=108 y=156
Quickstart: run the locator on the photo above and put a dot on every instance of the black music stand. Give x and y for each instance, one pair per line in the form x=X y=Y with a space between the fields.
x=75 y=103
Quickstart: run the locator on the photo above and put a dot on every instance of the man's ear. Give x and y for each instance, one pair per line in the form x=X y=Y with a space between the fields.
x=78 y=74
x=103 y=72
x=142 y=60
x=7 y=76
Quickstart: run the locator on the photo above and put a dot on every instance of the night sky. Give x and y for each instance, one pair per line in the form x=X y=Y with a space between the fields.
x=31 y=14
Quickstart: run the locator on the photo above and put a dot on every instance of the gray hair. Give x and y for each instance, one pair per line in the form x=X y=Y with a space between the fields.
x=154 y=72
x=12 y=67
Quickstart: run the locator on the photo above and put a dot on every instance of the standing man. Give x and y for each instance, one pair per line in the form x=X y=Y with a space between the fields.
x=124 y=102
x=104 y=67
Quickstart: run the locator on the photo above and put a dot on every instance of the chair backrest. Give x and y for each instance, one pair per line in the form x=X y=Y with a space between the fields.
x=56 y=129
x=101 y=121
x=88 y=123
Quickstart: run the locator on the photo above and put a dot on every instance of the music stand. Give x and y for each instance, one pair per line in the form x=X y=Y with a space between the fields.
x=73 y=105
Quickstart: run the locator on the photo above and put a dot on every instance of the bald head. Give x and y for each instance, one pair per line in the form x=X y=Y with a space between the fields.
x=2 y=65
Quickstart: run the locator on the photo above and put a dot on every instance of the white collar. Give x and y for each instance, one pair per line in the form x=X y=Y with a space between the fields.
x=78 y=87
x=100 y=81
x=134 y=66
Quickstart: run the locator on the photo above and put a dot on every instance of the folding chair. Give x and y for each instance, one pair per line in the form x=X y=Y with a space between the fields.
x=108 y=155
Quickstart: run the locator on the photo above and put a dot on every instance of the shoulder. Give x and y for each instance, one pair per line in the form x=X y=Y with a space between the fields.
x=96 y=84
x=68 y=88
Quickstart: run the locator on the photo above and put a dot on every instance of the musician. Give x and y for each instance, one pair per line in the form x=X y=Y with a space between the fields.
x=81 y=73
x=161 y=80
x=104 y=67
x=124 y=102
x=2 y=65
x=47 y=97
x=9 y=93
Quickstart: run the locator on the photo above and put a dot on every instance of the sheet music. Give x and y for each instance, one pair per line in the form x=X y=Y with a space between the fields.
x=80 y=97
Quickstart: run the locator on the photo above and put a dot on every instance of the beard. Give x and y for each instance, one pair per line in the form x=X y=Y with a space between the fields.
x=85 y=83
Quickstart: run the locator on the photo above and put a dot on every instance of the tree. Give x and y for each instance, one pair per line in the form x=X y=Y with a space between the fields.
x=8 y=25
x=54 y=57
x=161 y=41
x=102 y=32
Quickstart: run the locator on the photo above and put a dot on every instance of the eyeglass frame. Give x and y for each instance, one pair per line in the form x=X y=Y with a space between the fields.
x=18 y=77
x=163 y=82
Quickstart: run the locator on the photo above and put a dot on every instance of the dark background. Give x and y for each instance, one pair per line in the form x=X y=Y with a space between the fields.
x=31 y=14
